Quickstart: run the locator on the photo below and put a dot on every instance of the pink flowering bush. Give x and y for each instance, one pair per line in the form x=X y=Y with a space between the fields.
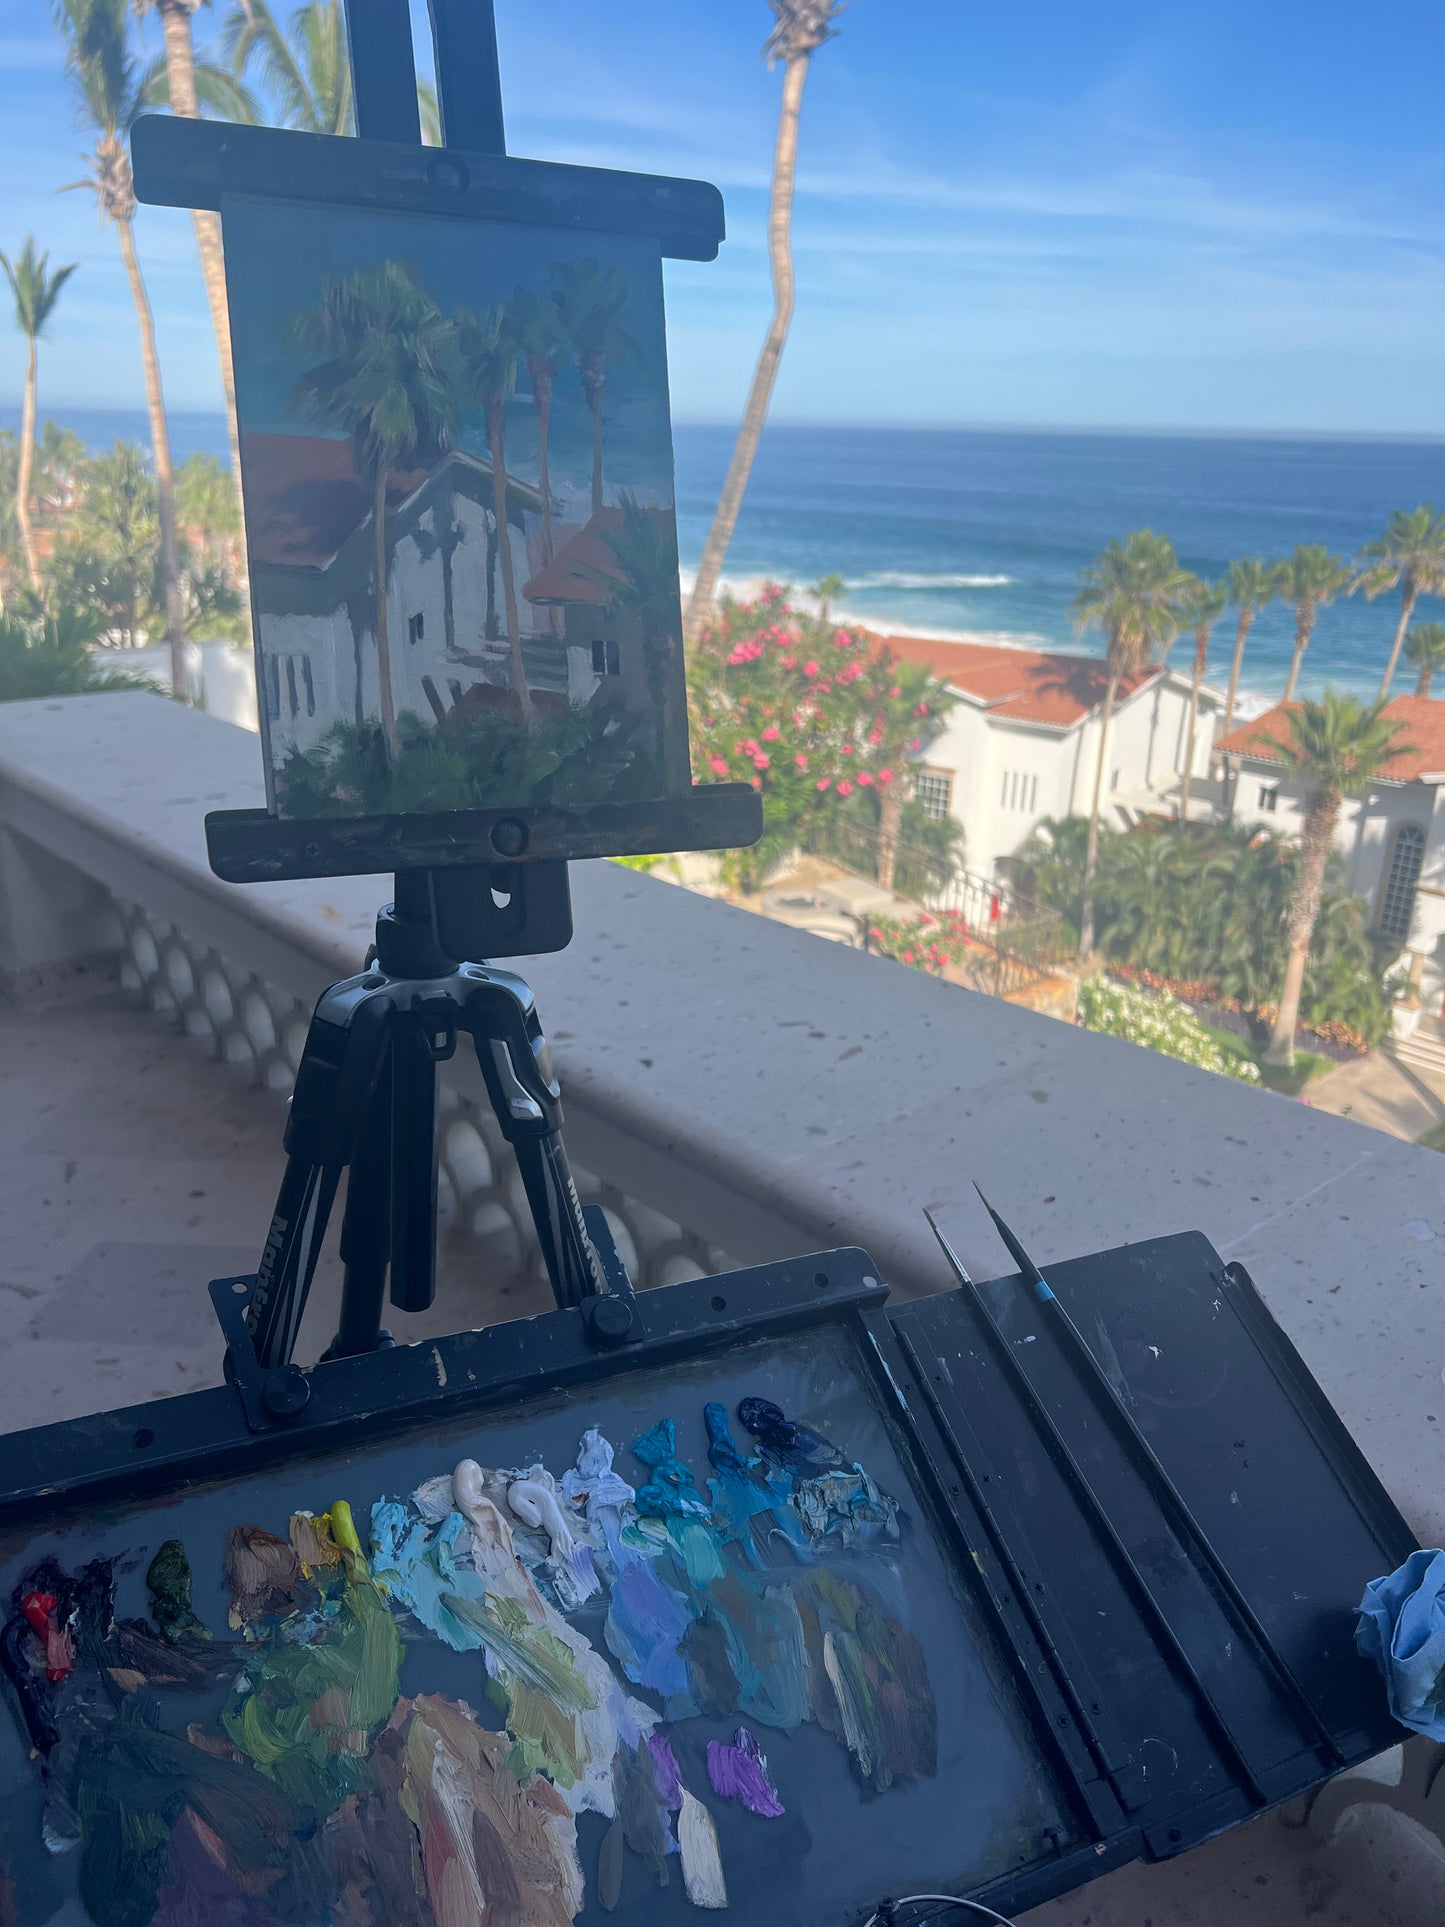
x=927 y=942
x=809 y=712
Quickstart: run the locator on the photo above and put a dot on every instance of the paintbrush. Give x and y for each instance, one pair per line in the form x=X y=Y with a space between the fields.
x=1137 y=1447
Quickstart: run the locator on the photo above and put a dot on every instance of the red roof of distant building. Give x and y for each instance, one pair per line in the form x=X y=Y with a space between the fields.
x=1421 y=740
x=1030 y=685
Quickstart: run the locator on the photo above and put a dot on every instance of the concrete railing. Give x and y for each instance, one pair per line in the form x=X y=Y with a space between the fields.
x=736 y=1089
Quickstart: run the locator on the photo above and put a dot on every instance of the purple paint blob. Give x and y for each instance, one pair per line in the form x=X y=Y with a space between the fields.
x=739 y=1772
x=665 y=1770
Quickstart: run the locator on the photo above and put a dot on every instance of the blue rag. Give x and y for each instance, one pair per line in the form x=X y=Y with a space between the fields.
x=1402 y=1628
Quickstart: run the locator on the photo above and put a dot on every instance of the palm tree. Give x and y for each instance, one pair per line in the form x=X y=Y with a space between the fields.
x=112 y=94
x=800 y=27
x=1410 y=554
x=305 y=67
x=1135 y=595
x=189 y=86
x=541 y=338
x=488 y=356
x=1206 y=603
x=1336 y=748
x=590 y=300
x=1309 y=580
x=36 y=291
x=1425 y=646
x=1252 y=586
x=388 y=375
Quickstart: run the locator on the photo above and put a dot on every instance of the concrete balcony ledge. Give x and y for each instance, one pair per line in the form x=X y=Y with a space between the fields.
x=768 y=1091
x=735 y=1089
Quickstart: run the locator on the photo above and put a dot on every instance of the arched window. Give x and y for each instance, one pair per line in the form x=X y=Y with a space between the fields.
x=1397 y=900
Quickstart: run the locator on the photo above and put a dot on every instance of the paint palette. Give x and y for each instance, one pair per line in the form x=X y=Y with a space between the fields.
x=688 y=1642
x=789 y=1602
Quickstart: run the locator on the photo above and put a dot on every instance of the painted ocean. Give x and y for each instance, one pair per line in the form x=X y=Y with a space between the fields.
x=982 y=532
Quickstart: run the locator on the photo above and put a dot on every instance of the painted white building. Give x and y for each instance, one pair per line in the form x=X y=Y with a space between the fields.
x=1391 y=839
x=1022 y=743
x=312 y=571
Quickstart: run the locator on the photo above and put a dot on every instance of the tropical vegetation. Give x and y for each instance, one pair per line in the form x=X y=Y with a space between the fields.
x=812 y=714
x=1159 y=1022
x=1209 y=907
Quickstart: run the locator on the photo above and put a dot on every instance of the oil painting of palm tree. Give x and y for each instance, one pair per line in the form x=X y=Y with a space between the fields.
x=460 y=519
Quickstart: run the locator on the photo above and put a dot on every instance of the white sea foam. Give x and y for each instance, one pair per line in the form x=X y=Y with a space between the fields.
x=903 y=579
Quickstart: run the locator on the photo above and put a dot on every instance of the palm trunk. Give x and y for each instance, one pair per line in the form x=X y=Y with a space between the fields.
x=780 y=213
x=181 y=77
x=26 y=470
x=1201 y=657
x=1408 y=598
x=383 y=636
x=1304 y=910
x=542 y=372
x=1427 y=677
x=1301 y=642
x=596 y=406
x=1091 y=855
x=1241 y=634
x=161 y=454
x=890 y=818
x=504 y=540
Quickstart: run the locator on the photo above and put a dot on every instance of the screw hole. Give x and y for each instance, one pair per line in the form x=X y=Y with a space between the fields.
x=144 y=1437
x=1176 y=1833
x=239 y=1288
x=719 y=1304
x=820 y=1279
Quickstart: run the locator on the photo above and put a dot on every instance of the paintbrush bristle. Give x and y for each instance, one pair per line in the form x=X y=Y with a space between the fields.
x=947 y=1249
x=1015 y=1249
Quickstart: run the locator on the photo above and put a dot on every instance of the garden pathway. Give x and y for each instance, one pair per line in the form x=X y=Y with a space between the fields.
x=1380 y=1091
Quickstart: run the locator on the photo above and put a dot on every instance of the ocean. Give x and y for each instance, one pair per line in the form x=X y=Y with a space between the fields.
x=982 y=532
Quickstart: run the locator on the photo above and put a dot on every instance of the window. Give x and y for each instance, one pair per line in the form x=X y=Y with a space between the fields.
x=934 y=792
x=306 y=677
x=1269 y=797
x=1397 y=900
x=416 y=627
x=1020 y=790
x=291 y=695
x=606 y=659
x=1033 y=793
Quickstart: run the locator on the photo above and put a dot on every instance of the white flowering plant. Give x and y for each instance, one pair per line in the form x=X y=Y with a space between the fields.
x=1159 y=1022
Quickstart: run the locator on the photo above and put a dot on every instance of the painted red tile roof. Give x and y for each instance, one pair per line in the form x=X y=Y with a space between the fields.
x=303 y=498
x=569 y=576
x=1422 y=738
x=1031 y=685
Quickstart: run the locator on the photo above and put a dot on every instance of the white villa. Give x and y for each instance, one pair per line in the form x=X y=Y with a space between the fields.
x=1392 y=838
x=1022 y=744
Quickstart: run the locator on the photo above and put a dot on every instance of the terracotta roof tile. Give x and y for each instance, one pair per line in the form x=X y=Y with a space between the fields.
x=1031 y=685
x=1422 y=739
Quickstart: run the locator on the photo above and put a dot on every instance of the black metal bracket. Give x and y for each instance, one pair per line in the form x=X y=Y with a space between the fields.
x=268 y=1398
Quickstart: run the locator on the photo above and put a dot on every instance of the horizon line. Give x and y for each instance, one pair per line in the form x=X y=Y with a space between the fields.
x=1191 y=430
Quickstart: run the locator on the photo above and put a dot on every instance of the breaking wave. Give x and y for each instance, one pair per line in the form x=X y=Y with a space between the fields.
x=901 y=579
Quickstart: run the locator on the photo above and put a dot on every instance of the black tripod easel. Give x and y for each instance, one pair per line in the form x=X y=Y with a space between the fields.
x=365 y=1106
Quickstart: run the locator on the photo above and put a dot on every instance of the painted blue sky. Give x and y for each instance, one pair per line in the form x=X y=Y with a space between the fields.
x=1221 y=215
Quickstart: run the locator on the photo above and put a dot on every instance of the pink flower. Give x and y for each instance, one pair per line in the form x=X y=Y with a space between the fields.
x=841 y=639
x=810 y=669
x=908 y=956
x=788 y=662
x=825 y=689
x=801 y=760
x=916 y=743
x=762 y=762
x=847 y=749
x=885 y=776
x=822 y=783
x=771 y=733
x=895 y=692
x=717 y=765
x=921 y=710
x=845 y=788
x=864 y=778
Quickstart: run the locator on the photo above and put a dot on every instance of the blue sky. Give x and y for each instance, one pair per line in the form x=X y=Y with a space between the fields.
x=1220 y=215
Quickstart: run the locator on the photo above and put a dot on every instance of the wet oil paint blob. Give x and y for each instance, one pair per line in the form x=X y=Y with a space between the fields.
x=168 y=1581
x=740 y=1772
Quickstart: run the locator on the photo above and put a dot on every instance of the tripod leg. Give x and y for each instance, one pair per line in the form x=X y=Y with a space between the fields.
x=364 y=1229
x=416 y=1044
